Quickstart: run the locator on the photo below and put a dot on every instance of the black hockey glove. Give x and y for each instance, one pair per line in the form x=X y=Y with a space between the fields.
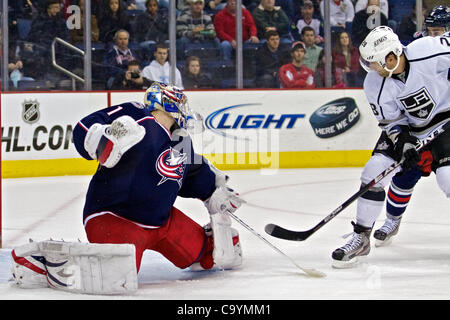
x=404 y=146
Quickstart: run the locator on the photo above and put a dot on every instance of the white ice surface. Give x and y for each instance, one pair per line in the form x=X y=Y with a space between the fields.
x=415 y=266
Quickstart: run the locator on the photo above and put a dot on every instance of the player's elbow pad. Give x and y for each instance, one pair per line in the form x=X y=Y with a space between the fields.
x=107 y=143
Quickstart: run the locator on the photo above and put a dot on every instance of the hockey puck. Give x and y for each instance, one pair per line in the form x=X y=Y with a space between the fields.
x=335 y=117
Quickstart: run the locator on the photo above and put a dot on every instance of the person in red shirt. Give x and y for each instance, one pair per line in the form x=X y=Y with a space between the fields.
x=295 y=74
x=225 y=25
x=346 y=58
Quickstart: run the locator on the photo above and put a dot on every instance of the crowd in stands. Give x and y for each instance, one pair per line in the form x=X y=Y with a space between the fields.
x=283 y=41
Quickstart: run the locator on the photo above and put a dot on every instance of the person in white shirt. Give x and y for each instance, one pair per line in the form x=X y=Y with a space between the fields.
x=341 y=12
x=362 y=5
x=307 y=12
x=159 y=69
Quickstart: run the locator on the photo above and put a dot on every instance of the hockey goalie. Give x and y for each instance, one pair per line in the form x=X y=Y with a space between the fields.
x=146 y=160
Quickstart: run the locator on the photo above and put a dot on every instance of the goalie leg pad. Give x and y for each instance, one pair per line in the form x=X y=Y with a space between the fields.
x=223 y=253
x=216 y=254
x=28 y=268
x=76 y=267
x=90 y=268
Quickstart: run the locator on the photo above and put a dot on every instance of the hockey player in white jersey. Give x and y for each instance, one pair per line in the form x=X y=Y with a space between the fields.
x=401 y=188
x=408 y=91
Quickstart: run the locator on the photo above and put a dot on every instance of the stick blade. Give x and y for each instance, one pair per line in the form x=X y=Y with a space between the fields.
x=286 y=234
x=314 y=273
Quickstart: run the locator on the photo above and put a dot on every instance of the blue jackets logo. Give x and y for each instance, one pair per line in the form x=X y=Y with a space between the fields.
x=171 y=165
x=226 y=119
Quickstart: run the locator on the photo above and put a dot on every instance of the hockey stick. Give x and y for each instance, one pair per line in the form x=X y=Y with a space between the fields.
x=310 y=272
x=282 y=233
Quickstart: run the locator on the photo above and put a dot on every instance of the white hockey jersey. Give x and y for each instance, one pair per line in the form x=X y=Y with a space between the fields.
x=423 y=100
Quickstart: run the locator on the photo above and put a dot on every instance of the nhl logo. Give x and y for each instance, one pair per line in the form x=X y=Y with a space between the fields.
x=30 y=112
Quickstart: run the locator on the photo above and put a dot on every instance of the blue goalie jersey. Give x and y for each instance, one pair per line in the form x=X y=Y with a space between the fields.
x=144 y=184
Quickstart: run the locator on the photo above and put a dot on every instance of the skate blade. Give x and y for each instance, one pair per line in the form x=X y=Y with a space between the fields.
x=382 y=243
x=337 y=264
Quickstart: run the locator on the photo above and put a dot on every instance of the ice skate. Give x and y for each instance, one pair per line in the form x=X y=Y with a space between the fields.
x=358 y=246
x=389 y=229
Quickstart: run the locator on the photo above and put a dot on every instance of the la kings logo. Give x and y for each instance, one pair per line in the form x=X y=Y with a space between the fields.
x=419 y=104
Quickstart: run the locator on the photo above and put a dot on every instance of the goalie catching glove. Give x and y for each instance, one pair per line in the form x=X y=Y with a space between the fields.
x=405 y=146
x=223 y=200
x=107 y=143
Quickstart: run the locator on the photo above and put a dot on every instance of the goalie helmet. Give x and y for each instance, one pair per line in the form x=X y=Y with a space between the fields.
x=171 y=99
x=168 y=98
x=380 y=42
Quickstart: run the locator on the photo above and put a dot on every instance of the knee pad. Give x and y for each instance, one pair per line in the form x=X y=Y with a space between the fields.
x=376 y=165
x=443 y=179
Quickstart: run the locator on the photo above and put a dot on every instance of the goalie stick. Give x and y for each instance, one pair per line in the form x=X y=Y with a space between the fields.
x=310 y=272
x=282 y=233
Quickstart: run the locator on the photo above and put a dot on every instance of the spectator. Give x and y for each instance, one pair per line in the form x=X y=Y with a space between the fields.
x=77 y=34
x=269 y=17
x=225 y=25
x=287 y=6
x=250 y=5
x=307 y=20
x=195 y=26
x=152 y=26
x=112 y=18
x=15 y=65
x=182 y=6
x=346 y=57
x=118 y=57
x=269 y=59
x=312 y=50
x=408 y=26
x=215 y=6
x=193 y=76
x=367 y=19
x=159 y=69
x=48 y=25
x=295 y=74
x=25 y=9
x=342 y=13
x=44 y=29
x=337 y=80
x=363 y=4
x=130 y=4
x=131 y=79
